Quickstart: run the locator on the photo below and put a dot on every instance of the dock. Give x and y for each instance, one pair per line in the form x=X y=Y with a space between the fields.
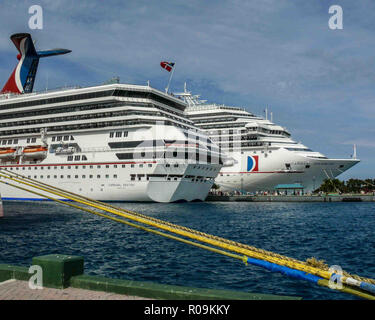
x=62 y=278
x=291 y=198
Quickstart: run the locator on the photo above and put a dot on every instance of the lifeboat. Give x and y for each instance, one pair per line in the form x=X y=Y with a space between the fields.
x=7 y=153
x=35 y=152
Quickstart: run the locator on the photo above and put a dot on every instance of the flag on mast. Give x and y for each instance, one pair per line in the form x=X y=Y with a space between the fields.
x=167 y=65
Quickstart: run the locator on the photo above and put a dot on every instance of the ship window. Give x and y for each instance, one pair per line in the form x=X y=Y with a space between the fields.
x=107 y=176
x=98 y=176
x=91 y=167
x=70 y=158
x=176 y=165
x=91 y=176
x=98 y=167
x=125 y=134
x=71 y=138
x=69 y=167
x=141 y=165
x=77 y=158
x=83 y=176
x=55 y=177
x=115 y=176
x=35 y=177
x=62 y=167
x=10 y=141
x=84 y=158
x=83 y=167
x=4 y=142
x=307 y=166
x=68 y=176
x=167 y=165
x=48 y=177
x=118 y=134
x=27 y=141
x=107 y=166
x=53 y=138
x=62 y=177
x=66 y=138
x=76 y=167
x=76 y=176
x=59 y=138
x=111 y=134
x=150 y=165
x=33 y=139
x=132 y=165
x=29 y=168
x=123 y=166
x=115 y=166
x=15 y=141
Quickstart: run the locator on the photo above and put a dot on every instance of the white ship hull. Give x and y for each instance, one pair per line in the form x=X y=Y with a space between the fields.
x=119 y=189
x=271 y=171
x=102 y=176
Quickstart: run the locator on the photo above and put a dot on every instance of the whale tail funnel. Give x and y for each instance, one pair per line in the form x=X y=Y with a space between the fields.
x=23 y=77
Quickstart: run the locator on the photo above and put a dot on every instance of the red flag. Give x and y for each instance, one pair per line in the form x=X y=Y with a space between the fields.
x=167 y=65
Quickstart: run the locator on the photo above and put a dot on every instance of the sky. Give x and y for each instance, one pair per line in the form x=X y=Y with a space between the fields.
x=274 y=54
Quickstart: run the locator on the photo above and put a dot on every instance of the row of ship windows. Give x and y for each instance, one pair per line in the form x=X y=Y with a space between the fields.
x=91 y=116
x=141 y=165
x=90 y=167
x=62 y=138
x=107 y=176
x=95 y=125
x=118 y=134
x=76 y=176
x=77 y=158
x=15 y=141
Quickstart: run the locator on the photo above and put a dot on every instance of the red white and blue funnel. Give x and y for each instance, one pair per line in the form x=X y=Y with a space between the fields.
x=23 y=76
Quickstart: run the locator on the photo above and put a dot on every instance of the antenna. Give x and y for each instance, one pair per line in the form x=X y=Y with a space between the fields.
x=271 y=117
x=354 y=152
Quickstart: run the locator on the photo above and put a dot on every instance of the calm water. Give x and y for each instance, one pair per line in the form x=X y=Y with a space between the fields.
x=339 y=233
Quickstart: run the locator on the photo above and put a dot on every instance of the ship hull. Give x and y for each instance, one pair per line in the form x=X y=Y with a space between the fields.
x=272 y=171
x=170 y=186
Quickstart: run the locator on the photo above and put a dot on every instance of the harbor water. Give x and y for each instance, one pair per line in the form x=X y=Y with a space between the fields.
x=340 y=233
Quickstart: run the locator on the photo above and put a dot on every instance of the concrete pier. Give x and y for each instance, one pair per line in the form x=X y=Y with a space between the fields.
x=292 y=198
x=62 y=277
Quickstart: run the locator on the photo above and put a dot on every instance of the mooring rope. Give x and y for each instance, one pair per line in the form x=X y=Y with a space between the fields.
x=311 y=266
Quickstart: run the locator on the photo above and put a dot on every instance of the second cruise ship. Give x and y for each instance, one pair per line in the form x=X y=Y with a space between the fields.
x=263 y=156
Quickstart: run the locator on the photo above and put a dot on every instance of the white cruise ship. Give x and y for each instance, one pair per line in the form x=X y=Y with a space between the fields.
x=263 y=155
x=114 y=142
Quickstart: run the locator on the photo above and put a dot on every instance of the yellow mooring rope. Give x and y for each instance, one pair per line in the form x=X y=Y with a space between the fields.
x=214 y=241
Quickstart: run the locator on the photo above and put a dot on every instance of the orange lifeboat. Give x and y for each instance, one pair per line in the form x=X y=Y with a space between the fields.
x=35 y=152
x=7 y=153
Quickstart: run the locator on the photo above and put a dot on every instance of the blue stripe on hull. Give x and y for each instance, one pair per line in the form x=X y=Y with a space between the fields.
x=31 y=199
